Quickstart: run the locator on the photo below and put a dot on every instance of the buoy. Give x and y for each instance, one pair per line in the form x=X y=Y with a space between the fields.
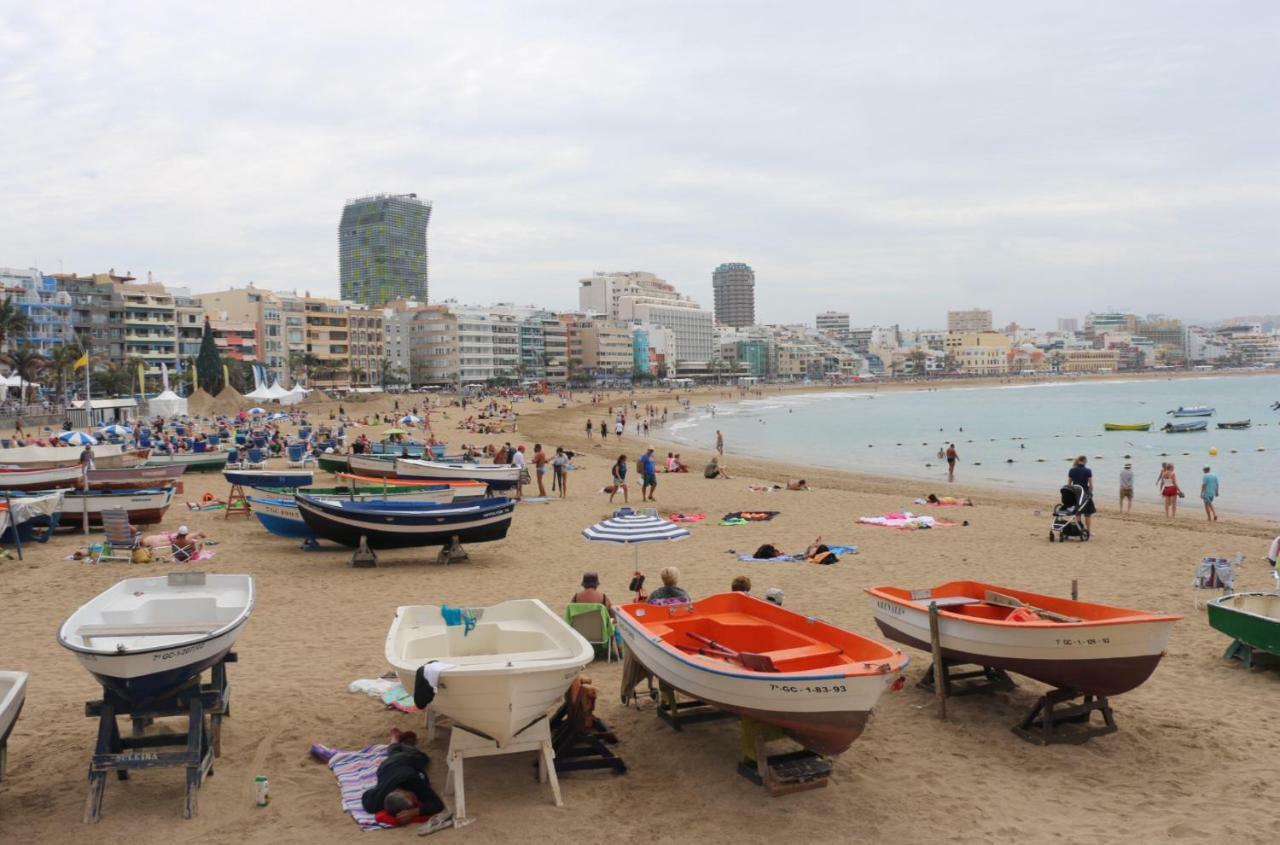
x=1213 y=450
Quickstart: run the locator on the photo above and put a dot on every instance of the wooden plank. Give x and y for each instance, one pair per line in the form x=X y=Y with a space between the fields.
x=139 y=630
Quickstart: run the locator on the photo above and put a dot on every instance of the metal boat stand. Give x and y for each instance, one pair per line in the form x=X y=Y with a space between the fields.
x=464 y=743
x=204 y=705
x=1057 y=719
x=364 y=557
x=1247 y=654
x=780 y=774
x=982 y=679
x=452 y=553
x=677 y=713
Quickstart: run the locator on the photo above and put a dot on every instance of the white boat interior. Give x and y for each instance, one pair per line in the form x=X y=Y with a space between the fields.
x=501 y=638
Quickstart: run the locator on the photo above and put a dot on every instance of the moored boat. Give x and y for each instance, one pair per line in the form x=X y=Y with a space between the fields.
x=1236 y=424
x=1095 y=649
x=1249 y=618
x=1145 y=426
x=497 y=677
x=394 y=524
x=1192 y=411
x=1184 y=427
x=145 y=638
x=145 y=506
x=814 y=680
x=497 y=476
x=275 y=478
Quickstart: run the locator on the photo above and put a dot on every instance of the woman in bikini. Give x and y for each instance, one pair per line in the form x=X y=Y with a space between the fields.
x=1168 y=484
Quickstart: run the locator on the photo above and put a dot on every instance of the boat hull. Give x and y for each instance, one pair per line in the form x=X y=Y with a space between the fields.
x=1192 y=412
x=1185 y=428
x=193 y=461
x=13 y=693
x=1127 y=426
x=372 y=465
x=1251 y=618
x=145 y=507
x=41 y=479
x=280 y=515
x=497 y=476
x=479 y=523
x=333 y=463
x=132 y=477
x=267 y=478
x=1237 y=425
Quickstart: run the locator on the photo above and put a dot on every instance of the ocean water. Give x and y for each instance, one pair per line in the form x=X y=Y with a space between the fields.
x=1017 y=436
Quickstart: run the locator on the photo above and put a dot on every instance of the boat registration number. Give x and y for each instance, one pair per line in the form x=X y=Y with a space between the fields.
x=807 y=688
x=1084 y=641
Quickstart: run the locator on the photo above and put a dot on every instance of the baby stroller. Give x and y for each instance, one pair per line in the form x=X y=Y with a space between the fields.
x=1068 y=517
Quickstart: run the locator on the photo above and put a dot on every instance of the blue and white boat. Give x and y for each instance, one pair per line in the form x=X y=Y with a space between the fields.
x=269 y=477
x=1184 y=427
x=394 y=524
x=1192 y=411
x=280 y=516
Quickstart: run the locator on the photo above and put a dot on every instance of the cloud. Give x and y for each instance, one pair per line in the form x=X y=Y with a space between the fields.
x=892 y=161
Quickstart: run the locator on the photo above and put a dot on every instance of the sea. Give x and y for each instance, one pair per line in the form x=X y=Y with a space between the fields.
x=1017 y=436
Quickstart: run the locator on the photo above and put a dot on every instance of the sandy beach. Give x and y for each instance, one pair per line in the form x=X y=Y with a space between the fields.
x=1194 y=758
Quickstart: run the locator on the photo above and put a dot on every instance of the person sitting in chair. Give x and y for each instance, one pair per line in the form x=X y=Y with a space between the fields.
x=185 y=547
x=670 y=589
x=403 y=794
x=591 y=592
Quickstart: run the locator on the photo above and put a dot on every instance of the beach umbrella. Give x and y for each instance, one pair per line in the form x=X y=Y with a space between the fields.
x=120 y=430
x=628 y=528
x=395 y=431
x=257 y=411
x=279 y=415
x=410 y=419
x=77 y=438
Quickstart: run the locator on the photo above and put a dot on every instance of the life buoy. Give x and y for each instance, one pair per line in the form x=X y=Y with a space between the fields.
x=207 y=498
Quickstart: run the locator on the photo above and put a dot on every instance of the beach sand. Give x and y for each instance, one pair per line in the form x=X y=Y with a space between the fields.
x=1194 y=757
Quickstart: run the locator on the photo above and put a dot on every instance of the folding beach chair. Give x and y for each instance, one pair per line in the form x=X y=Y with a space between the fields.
x=593 y=622
x=255 y=460
x=123 y=539
x=1214 y=573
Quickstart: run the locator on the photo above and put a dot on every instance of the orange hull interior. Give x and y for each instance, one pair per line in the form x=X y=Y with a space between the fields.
x=950 y=598
x=796 y=644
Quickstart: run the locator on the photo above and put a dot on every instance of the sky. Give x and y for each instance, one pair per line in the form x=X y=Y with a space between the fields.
x=892 y=160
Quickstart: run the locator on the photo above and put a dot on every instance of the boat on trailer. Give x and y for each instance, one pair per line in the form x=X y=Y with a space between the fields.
x=147 y=638
x=394 y=524
x=1185 y=427
x=816 y=681
x=505 y=666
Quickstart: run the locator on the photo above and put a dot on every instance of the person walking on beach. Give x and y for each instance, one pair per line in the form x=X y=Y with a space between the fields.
x=1209 y=492
x=649 y=476
x=589 y=427
x=559 y=466
x=719 y=443
x=1168 y=485
x=619 y=427
x=619 y=473
x=952 y=457
x=604 y=431
x=540 y=468
x=1126 y=488
x=1082 y=475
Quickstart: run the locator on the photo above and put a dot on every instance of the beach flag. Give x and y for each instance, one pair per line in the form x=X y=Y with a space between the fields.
x=82 y=361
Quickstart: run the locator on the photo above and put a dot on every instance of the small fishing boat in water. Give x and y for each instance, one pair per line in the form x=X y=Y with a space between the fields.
x=1236 y=425
x=1184 y=427
x=395 y=524
x=1145 y=426
x=146 y=638
x=1192 y=411
x=503 y=667
x=814 y=680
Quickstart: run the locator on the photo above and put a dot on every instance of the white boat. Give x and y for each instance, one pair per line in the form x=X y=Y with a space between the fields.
x=48 y=478
x=502 y=675
x=13 y=692
x=145 y=507
x=194 y=461
x=105 y=456
x=372 y=465
x=146 y=638
x=497 y=476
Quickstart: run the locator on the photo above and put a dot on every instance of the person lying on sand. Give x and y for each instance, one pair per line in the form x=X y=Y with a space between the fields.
x=819 y=553
x=163 y=541
x=934 y=499
x=403 y=794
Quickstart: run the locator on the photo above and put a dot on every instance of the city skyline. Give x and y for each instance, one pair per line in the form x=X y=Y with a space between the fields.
x=1098 y=161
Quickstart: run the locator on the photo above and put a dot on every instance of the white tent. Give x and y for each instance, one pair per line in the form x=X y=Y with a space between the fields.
x=294 y=396
x=167 y=404
x=277 y=390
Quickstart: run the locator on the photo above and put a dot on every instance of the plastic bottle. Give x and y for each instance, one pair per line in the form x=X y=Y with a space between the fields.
x=262 y=790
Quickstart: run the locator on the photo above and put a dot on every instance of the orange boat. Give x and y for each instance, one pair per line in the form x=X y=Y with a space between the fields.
x=815 y=681
x=462 y=489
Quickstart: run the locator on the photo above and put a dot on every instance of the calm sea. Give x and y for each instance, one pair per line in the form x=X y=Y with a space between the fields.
x=1017 y=436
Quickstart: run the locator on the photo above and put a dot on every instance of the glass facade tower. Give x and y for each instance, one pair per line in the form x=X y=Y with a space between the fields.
x=382 y=249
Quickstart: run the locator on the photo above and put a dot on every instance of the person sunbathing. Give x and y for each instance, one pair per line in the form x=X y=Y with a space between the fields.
x=934 y=499
x=164 y=541
x=818 y=552
x=797 y=484
x=403 y=793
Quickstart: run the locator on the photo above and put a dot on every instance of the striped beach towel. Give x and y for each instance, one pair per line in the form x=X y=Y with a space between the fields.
x=356 y=772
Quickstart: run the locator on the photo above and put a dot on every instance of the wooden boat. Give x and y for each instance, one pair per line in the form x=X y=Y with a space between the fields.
x=1102 y=651
x=145 y=506
x=461 y=489
x=133 y=477
x=502 y=675
x=372 y=465
x=1249 y=618
x=1184 y=427
x=276 y=478
x=192 y=461
x=333 y=462
x=1146 y=426
x=146 y=638
x=105 y=456
x=25 y=514
x=812 y=679
x=1237 y=424
x=13 y=694
x=395 y=524
x=279 y=513
x=1192 y=411
x=497 y=476
x=41 y=479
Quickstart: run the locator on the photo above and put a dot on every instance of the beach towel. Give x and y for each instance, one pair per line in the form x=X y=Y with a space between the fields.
x=743 y=517
x=357 y=772
x=210 y=506
x=373 y=687
x=906 y=521
x=687 y=517
x=398 y=698
x=928 y=503
x=778 y=559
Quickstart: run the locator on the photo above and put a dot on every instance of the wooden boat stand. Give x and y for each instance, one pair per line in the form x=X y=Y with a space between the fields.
x=1246 y=654
x=452 y=553
x=577 y=750
x=363 y=557
x=1057 y=720
x=204 y=705
x=464 y=743
x=677 y=713
x=237 y=503
x=956 y=682
x=780 y=774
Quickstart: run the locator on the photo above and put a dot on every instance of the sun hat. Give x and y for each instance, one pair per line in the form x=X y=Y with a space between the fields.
x=590 y=580
x=182 y=529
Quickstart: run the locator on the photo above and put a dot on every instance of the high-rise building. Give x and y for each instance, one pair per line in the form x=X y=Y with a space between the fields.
x=833 y=323
x=975 y=320
x=1068 y=325
x=734 y=285
x=382 y=249
x=645 y=298
x=47 y=309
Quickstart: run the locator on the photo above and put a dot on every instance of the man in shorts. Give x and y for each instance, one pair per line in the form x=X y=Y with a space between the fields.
x=1082 y=475
x=1126 y=489
x=649 y=476
x=1209 y=492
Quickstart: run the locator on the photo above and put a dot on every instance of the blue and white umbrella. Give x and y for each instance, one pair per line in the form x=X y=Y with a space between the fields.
x=77 y=438
x=117 y=430
x=410 y=419
x=257 y=410
x=628 y=528
x=278 y=415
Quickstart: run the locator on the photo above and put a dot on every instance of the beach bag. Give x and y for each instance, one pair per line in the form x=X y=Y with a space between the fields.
x=142 y=555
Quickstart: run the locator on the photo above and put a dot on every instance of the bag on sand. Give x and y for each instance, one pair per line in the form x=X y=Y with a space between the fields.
x=142 y=555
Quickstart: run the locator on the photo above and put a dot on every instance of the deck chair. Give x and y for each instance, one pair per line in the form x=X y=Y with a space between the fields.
x=594 y=623
x=254 y=460
x=123 y=539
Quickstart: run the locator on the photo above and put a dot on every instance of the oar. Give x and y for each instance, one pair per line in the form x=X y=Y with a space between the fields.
x=754 y=662
x=992 y=597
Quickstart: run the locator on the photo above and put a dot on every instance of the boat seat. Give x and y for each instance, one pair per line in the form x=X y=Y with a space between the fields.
x=801 y=652
x=949 y=601
x=514 y=657
x=148 y=630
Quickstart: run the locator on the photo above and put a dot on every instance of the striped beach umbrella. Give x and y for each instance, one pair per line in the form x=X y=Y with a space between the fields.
x=116 y=430
x=257 y=410
x=628 y=528
x=77 y=438
x=278 y=415
x=410 y=419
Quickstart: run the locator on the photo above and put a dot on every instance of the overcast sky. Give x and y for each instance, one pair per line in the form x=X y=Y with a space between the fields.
x=888 y=159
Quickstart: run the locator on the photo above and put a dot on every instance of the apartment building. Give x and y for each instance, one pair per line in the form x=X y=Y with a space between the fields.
x=979 y=353
x=975 y=320
x=236 y=339
x=47 y=309
x=367 y=345
x=328 y=333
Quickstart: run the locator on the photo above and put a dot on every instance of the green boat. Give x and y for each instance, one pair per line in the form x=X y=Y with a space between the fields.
x=1252 y=620
x=1127 y=426
x=333 y=463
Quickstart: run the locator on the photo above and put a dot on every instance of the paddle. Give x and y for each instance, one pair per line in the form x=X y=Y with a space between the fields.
x=754 y=662
x=992 y=597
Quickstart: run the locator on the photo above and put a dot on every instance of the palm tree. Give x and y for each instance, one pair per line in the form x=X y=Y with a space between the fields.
x=62 y=365
x=27 y=363
x=13 y=322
